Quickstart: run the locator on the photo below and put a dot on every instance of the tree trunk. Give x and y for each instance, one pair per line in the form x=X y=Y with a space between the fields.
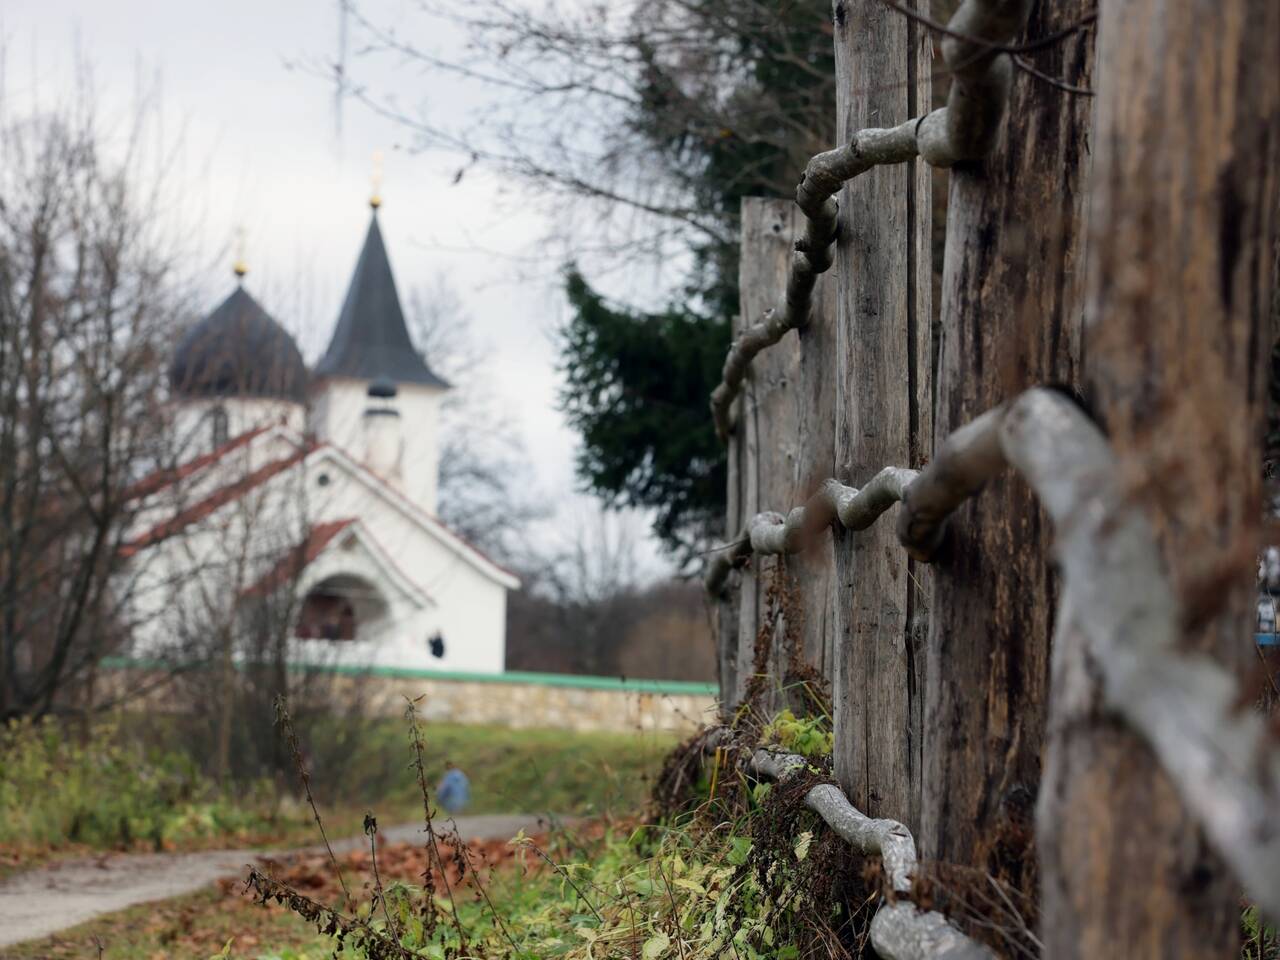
x=1010 y=319
x=883 y=404
x=1181 y=221
x=226 y=708
x=775 y=450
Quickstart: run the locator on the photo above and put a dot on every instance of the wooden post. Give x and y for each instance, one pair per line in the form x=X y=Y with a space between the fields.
x=1010 y=319
x=883 y=404
x=777 y=456
x=814 y=571
x=1181 y=219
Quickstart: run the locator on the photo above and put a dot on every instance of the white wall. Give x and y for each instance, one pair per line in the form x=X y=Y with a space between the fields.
x=469 y=606
x=187 y=585
x=432 y=587
x=193 y=424
x=338 y=418
x=420 y=464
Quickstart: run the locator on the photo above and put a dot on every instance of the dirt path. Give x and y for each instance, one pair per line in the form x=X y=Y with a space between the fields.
x=43 y=901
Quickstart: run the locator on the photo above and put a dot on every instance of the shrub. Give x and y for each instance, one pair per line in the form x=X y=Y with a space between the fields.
x=57 y=788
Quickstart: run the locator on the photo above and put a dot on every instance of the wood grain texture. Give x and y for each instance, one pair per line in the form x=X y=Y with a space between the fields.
x=1181 y=220
x=1010 y=319
x=783 y=447
x=883 y=386
x=814 y=571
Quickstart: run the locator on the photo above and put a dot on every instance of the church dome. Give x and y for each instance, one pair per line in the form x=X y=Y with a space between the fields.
x=238 y=350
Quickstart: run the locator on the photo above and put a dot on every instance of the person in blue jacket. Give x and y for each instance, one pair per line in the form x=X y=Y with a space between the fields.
x=454 y=790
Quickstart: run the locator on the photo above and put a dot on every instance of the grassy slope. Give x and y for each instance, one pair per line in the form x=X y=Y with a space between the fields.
x=113 y=793
x=513 y=771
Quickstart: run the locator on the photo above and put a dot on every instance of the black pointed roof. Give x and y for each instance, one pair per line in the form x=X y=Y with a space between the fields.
x=371 y=340
x=238 y=351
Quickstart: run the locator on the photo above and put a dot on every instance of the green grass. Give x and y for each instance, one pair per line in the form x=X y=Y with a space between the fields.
x=61 y=787
x=129 y=784
x=511 y=771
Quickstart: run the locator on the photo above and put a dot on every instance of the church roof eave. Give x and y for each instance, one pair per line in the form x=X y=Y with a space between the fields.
x=471 y=554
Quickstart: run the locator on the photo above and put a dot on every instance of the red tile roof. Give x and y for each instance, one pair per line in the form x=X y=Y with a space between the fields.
x=219 y=498
x=235 y=490
x=297 y=559
x=160 y=479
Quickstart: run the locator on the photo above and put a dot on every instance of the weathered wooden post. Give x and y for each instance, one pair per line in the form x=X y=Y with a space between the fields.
x=1010 y=319
x=1181 y=218
x=781 y=445
x=883 y=394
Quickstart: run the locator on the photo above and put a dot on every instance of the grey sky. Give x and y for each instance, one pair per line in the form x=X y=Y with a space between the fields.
x=261 y=150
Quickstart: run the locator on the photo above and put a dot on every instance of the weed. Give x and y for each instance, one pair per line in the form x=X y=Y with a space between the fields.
x=98 y=790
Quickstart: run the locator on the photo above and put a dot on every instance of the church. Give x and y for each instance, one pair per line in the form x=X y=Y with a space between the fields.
x=299 y=510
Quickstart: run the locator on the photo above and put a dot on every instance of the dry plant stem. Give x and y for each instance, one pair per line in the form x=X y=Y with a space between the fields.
x=295 y=751
x=675 y=911
x=371 y=829
x=484 y=891
x=1221 y=756
x=965 y=129
x=906 y=932
x=415 y=735
x=268 y=887
x=772 y=533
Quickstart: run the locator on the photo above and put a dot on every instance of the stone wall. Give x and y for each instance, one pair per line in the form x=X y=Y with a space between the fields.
x=541 y=705
x=523 y=700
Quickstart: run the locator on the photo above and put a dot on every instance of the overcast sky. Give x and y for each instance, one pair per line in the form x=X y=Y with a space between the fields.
x=261 y=147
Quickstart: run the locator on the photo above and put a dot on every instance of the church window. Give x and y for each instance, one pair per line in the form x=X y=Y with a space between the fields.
x=322 y=480
x=437 y=645
x=218 y=425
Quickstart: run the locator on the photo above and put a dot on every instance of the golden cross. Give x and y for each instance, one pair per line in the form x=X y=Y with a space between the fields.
x=375 y=200
x=240 y=268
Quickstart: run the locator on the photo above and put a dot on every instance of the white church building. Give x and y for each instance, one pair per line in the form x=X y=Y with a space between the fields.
x=310 y=495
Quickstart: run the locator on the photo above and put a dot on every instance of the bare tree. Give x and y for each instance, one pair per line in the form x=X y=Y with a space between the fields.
x=641 y=113
x=484 y=474
x=87 y=298
x=576 y=604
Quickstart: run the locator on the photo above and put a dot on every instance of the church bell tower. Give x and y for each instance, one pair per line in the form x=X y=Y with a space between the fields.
x=374 y=394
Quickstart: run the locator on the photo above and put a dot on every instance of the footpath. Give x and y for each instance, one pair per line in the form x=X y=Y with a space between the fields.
x=40 y=902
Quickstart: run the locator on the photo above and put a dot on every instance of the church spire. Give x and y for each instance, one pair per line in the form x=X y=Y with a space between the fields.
x=371 y=340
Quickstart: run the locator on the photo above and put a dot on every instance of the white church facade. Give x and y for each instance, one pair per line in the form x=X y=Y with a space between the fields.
x=302 y=509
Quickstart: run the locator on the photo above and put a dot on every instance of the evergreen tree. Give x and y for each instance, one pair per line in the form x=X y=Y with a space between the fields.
x=636 y=388
x=638 y=383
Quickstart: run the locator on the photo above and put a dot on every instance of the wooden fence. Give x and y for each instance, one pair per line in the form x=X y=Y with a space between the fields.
x=1045 y=642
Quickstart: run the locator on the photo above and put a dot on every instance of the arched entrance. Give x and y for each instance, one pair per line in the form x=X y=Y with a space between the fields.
x=341 y=607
